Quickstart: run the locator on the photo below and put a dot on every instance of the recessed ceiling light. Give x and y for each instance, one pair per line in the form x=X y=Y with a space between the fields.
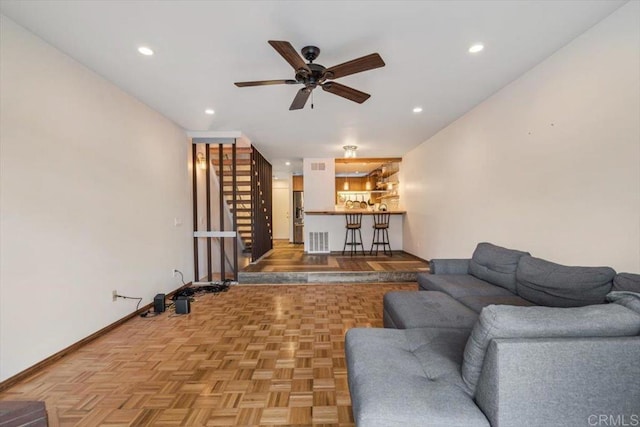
x=476 y=48
x=145 y=51
x=287 y=163
x=417 y=110
x=209 y=111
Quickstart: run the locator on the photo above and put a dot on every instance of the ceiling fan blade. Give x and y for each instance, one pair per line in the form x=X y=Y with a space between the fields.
x=287 y=51
x=365 y=63
x=300 y=99
x=346 y=92
x=266 y=82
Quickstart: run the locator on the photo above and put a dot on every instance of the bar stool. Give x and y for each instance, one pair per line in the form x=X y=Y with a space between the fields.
x=381 y=233
x=354 y=223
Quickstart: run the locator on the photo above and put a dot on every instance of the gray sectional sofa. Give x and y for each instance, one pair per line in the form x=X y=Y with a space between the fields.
x=501 y=339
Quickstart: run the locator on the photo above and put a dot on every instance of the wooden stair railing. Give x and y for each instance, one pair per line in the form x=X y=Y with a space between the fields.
x=262 y=230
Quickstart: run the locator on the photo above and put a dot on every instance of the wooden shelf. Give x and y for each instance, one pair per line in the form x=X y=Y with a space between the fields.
x=385 y=175
x=389 y=170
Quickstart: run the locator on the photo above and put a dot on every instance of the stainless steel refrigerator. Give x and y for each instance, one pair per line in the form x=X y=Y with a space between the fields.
x=298 y=217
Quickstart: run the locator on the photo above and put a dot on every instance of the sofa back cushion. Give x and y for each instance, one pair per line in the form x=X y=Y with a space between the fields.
x=627 y=282
x=555 y=285
x=503 y=321
x=496 y=265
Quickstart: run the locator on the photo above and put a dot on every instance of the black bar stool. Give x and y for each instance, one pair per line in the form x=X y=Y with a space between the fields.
x=381 y=233
x=354 y=222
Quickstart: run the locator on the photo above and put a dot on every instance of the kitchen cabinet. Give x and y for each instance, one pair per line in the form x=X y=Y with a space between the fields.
x=355 y=183
x=378 y=186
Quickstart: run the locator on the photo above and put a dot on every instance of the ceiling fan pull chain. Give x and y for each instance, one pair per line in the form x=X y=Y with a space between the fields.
x=312 y=100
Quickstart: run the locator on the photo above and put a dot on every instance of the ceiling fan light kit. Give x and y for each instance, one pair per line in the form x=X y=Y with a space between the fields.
x=313 y=75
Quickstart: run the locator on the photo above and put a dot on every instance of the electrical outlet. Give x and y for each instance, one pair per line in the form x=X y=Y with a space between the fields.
x=174 y=272
x=114 y=295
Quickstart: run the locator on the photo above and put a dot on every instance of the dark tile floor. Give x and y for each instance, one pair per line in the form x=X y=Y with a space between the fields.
x=287 y=263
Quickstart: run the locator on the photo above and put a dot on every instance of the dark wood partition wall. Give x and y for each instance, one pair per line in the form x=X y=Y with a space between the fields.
x=234 y=205
x=194 y=183
x=208 y=205
x=260 y=239
x=209 y=234
x=261 y=209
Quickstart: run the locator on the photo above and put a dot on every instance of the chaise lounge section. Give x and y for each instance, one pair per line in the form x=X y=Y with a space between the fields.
x=501 y=339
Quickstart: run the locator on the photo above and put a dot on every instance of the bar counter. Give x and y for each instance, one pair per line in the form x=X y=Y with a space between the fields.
x=346 y=211
x=333 y=222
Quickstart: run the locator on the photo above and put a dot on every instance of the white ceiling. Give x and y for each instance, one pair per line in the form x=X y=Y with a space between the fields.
x=203 y=47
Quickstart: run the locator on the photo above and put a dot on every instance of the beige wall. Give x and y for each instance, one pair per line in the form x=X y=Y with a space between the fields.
x=319 y=184
x=91 y=183
x=550 y=164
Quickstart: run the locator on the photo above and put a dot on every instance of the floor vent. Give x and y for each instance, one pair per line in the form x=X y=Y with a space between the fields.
x=319 y=242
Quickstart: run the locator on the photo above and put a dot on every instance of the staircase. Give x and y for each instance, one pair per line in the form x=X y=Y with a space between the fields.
x=243 y=187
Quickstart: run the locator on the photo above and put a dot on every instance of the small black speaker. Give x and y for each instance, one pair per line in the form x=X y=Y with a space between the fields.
x=158 y=303
x=182 y=305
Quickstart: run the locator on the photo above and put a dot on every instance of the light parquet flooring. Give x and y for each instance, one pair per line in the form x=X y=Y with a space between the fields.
x=255 y=355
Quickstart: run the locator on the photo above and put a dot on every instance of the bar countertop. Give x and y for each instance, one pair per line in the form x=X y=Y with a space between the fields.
x=346 y=211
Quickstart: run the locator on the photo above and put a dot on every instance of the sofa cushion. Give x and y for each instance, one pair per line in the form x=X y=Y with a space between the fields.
x=496 y=265
x=459 y=285
x=427 y=309
x=449 y=266
x=627 y=282
x=409 y=377
x=503 y=321
x=477 y=303
x=631 y=300
x=546 y=283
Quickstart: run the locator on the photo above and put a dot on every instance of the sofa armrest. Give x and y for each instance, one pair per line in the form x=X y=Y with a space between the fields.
x=560 y=381
x=449 y=266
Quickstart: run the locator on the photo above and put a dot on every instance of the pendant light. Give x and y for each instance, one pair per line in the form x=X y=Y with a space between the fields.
x=350 y=151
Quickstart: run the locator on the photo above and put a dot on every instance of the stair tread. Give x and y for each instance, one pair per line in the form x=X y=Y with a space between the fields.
x=227 y=148
x=238 y=173
x=239 y=161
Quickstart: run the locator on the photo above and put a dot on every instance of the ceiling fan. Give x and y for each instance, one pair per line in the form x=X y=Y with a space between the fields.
x=313 y=75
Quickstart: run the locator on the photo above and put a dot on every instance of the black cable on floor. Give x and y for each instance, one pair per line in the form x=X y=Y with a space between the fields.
x=213 y=288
